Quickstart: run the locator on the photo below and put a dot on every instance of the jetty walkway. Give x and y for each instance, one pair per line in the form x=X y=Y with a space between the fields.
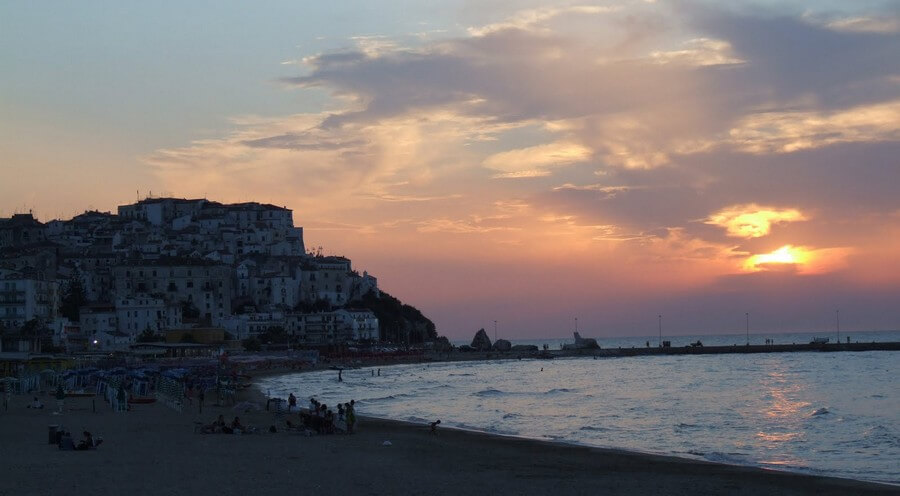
x=714 y=350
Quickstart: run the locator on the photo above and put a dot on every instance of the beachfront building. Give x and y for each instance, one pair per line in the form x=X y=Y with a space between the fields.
x=24 y=297
x=98 y=318
x=136 y=314
x=327 y=279
x=271 y=283
x=203 y=287
x=357 y=325
x=252 y=324
x=335 y=327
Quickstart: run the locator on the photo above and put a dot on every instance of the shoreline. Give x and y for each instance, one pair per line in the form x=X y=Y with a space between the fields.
x=154 y=449
x=254 y=393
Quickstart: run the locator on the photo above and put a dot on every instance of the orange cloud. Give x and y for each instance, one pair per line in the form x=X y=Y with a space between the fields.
x=752 y=220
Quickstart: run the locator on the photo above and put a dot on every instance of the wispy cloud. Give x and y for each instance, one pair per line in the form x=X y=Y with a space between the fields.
x=531 y=18
x=790 y=131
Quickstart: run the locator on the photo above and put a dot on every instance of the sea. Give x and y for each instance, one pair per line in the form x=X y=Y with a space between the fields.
x=835 y=414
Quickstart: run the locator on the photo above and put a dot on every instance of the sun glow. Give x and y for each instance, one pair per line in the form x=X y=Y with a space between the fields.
x=787 y=254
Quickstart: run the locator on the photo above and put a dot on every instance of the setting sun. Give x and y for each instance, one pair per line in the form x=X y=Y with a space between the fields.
x=785 y=255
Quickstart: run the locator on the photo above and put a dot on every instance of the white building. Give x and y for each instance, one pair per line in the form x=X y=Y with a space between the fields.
x=23 y=298
x=357 y=325
x=136 y=314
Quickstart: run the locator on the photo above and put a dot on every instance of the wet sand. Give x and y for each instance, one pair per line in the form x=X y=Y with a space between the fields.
x=154 y=450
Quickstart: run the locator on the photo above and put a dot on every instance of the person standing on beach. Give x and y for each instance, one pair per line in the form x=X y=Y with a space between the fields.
x=200 y=396
x=340 y=375
x=292 y=402
x=60 y=398
x=351 y=417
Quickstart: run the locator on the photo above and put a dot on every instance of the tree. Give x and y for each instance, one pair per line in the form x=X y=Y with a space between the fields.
x=398 y=321
x=274 y=335
x=252 y=344
x=148 y=336
x=73 y=298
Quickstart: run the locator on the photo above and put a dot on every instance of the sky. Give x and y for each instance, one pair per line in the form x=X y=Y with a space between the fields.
x=525 y=162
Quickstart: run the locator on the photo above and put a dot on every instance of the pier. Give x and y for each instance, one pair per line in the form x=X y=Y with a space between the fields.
x=717 y=350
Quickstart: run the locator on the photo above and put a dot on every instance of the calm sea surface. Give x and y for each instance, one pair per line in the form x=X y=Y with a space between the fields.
x=825 y=413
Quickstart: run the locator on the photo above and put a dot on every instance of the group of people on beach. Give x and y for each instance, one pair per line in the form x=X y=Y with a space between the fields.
x=323 y=420
x=65 y=443
x=219 y=426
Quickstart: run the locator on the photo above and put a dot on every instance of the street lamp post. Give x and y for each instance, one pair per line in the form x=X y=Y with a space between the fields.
x=495 y=331
x=660 y=330
x=837 y=319
x=747 y=315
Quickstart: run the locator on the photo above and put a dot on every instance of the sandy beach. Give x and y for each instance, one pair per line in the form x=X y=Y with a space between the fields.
x=153 y=449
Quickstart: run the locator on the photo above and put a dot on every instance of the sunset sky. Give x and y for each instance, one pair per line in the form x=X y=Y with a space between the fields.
x=526 y=162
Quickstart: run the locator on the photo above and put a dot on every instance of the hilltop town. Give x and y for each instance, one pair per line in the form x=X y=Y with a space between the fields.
x=187 y=271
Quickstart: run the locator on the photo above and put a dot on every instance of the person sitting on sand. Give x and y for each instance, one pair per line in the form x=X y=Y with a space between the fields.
x=236 y=425
x=219 y=424
x=86 y=443
x=216 y=426
x=434 y=426
x=36 y=404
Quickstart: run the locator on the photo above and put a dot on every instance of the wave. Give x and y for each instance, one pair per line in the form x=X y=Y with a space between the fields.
x=489 y=392
x=820 y=411
x=460 y=375
x=683 y=426
x=594 y=429
x=560 y=390
x=880 y=436
x=389 y=397
x=720 y=457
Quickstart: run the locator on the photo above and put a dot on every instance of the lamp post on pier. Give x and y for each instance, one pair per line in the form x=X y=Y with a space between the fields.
x=837 y=320
x=660 y=330
x=747 y=315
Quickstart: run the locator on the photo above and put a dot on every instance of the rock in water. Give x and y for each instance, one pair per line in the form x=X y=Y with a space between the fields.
x=481 y=342
x=502 y=345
